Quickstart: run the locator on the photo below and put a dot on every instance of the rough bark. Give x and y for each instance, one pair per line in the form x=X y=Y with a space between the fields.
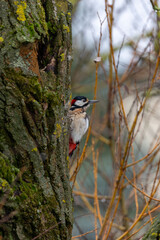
x=35 y=46
x=154 y=232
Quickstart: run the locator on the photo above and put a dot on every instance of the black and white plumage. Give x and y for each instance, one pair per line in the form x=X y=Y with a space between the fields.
x=79 y=120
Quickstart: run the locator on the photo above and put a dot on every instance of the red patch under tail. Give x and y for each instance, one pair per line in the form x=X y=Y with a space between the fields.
x=72 y=147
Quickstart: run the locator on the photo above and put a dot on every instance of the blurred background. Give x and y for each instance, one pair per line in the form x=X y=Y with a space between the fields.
x=126 y=35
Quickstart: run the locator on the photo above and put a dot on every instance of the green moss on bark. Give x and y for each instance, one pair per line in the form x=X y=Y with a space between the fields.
x=33 y=120
x=20 y=25
x=21 y=194
x=154 y=231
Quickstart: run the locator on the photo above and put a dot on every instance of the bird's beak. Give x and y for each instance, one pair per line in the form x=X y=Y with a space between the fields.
x=93 y=101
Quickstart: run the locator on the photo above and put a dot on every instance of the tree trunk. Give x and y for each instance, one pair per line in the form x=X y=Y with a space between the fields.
x=35 y=48
x=154 y=231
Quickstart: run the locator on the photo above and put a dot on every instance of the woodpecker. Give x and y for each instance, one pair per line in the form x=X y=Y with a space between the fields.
x=79 y=121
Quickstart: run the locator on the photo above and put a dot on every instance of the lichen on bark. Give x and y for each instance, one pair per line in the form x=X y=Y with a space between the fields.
x=34 y=181
x=153 y=232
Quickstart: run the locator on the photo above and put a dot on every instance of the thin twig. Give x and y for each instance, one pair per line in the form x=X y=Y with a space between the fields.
x=88 y=195
x=46 y=231
x=78 y=236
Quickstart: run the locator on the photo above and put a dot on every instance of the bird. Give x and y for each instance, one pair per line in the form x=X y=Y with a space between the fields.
x=79 y=121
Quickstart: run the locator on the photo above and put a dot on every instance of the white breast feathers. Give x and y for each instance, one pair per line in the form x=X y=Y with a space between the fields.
x=79 y=126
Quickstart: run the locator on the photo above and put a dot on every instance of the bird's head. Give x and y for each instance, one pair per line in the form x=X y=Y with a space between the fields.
x=81 y=102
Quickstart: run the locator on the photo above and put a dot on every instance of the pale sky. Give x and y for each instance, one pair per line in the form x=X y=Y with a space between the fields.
x=131 y=17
